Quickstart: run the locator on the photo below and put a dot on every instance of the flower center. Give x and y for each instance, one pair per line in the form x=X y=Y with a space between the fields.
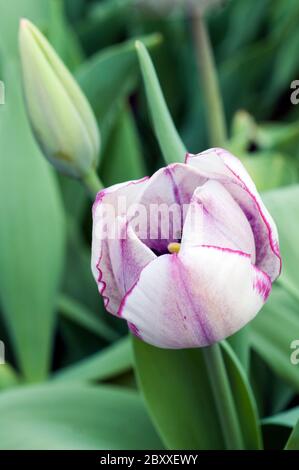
x=174 y=247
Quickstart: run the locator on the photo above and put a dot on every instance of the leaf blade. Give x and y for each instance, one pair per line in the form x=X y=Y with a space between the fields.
x=169 y=140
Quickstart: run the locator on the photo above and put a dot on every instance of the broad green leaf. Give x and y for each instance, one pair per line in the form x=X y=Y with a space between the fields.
x=109 y=362
x=78 y=280
x=177 y=389
x=123 y=158
x=263 y=379
x=244 y=399
x=74 y=417
x=178 y=394
x=62 y=37
x=108 y=76
x=31 y=236
x=78 y=313
x=74 y=9
x=105 y=23
x=284 y=68
x=78 y=343
x=269 y=170
x=277 y=429
x=273 y=331
x=238 y=14
x=249 y=65
x=293 y=441
x=169 y=140
x=107 y=10
x=12 y=12
x=239 y=342
x=283 y=205
x=76 y=201
x=288 y=418
x=279 y=137
x=276 y=143
x=8 y=377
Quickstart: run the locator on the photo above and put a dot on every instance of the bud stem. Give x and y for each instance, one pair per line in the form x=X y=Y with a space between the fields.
x=92 y=183
x=223 y=397
x=209 y=80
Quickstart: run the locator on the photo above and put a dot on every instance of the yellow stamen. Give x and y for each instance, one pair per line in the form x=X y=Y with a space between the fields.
x=174 y=247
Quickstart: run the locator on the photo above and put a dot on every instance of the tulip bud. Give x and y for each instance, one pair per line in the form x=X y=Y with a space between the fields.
x=61 y=117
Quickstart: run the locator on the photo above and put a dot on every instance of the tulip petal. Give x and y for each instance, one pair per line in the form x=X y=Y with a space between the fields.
x=195 y=298
x=215 y=218
x=220 y=165
x=168 y=194
x=119 y=256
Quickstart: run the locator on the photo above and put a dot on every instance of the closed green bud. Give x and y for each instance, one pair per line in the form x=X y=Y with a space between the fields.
x=61 y=117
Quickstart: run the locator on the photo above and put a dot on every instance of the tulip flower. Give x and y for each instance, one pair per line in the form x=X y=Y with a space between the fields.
x=206 y=280
x=61 y=117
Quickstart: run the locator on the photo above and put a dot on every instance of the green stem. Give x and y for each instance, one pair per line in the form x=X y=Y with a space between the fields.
x=210 y=86
x=92 y=183
x=223 y=397
x=240 y=344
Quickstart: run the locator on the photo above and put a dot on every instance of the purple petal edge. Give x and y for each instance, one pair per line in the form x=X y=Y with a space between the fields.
x=273 y=244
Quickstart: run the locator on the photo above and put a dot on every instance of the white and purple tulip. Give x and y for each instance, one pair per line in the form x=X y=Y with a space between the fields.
x=204 y=284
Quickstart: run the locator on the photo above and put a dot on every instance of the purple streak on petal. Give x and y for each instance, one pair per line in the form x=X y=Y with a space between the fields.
x=133 y=328
x=262 y=284
x=124 y=299
x=264 y=236
x=176 y=192
x=131 y=267
x=273 y=244
x=102 y=284
x=180 y=198
x=101 y=259
x=180 y=279
x=228 y=250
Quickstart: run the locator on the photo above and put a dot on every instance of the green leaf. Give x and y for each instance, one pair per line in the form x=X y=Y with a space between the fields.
x=81 y=315
x=179 y=380
x=244 y=399
x=269 y=170
x=12 y=12
x=277 y=428
x=293 y=441
x=105 y=23
x=8 y=377
x=78 y=281
x=31 y=236
x=263 y=379
x=169 y=140
x=108 y=77
x=238 y=12
x=74 y=417
x=239 y=343
x=283 y=205
x=279 y=137
x=273 y=331
x=110 y=362
x=123 y=159
x=288 y=418
x=62 y=37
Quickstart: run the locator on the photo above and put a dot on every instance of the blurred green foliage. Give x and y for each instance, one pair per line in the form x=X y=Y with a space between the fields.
x=78 y=360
